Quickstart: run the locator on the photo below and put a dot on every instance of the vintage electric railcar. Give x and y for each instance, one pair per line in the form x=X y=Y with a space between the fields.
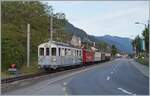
x=55 y=54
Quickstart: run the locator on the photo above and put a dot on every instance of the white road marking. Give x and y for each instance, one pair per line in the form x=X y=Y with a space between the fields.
x=125 y=91
x=64 y=83
x=108 y=78
x=112 y=72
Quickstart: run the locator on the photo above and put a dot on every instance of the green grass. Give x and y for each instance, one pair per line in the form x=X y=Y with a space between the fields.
x=5 y=74
x=30 y=70
x=24 y=70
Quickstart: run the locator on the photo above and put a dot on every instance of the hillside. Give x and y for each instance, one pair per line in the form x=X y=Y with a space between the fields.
x=79 y=33
x=123 y=44
x=15 y=16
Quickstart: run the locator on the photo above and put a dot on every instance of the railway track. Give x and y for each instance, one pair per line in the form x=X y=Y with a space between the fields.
x=14 y=83
x=17 y=78
x=12 y=79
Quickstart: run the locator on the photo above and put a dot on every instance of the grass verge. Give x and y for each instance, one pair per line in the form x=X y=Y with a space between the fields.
x=143 y=60
x=23 y=71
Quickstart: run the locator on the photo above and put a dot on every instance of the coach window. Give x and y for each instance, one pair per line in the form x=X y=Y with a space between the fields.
x=65 y=51
x=47 y=51
x=75 y=52
x=53 y=50
x=41 y=51
x=69 y=52
x=79 y=53
x=59 y=51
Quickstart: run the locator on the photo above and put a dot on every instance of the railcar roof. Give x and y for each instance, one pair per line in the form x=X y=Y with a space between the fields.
x=57 y=44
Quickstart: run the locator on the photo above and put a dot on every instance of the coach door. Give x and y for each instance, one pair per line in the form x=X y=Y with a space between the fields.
x=54 y=56
x=47 y=55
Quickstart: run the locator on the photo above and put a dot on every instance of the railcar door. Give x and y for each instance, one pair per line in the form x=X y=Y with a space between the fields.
x=47 y=55
x=62 y=56
x=53 y=56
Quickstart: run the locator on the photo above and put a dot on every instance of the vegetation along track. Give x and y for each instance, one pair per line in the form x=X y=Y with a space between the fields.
x=12 y=79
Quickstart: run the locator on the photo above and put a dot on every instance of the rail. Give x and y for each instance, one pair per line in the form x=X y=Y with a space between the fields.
x=12 y=79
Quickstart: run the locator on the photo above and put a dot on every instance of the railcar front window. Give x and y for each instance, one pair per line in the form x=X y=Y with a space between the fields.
x=65 y=51
x=47 y=51
x=59 y=51
x=53 y=51
x=41 y=51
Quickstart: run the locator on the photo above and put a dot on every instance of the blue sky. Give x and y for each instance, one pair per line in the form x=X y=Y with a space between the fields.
x=116 y=18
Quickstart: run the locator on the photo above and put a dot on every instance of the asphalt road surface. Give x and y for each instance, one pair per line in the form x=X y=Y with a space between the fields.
x=117 y=77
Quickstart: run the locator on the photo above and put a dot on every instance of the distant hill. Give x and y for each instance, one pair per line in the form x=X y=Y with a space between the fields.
x=123 y=44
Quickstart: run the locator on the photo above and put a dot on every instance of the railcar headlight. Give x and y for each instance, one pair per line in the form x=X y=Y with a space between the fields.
x=39 y=67
x=53 y=59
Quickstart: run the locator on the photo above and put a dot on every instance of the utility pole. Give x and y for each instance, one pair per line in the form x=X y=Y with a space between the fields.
x=28 y=45
x=51 y=24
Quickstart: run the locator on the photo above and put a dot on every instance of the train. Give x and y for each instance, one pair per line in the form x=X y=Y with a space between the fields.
x=53 y=55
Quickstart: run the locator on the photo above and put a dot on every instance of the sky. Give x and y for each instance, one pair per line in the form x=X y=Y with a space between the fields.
x=99 y=18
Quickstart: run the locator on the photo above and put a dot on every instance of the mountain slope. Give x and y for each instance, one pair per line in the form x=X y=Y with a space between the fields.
x=79 y=33
x=123 y=44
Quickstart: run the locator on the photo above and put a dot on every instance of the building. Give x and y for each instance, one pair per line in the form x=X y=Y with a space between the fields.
x=75 y=41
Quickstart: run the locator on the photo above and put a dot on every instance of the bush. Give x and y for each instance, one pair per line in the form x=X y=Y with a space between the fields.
x=143 y=59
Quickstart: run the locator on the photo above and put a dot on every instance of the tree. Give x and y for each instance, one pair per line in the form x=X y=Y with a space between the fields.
x=136 y=44
x=113 y=50
x=15 y=16
x=103 y=46
x=146 y=39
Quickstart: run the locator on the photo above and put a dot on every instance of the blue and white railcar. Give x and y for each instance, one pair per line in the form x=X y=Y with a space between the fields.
x=56 y=54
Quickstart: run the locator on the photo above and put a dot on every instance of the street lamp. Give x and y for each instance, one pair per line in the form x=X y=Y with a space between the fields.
x=141 y=23
x=142 y=38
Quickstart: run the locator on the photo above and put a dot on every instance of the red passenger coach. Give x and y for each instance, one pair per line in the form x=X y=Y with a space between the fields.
x=87 y=56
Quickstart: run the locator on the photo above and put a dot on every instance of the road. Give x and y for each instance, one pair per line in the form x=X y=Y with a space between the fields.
x=117 y=77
